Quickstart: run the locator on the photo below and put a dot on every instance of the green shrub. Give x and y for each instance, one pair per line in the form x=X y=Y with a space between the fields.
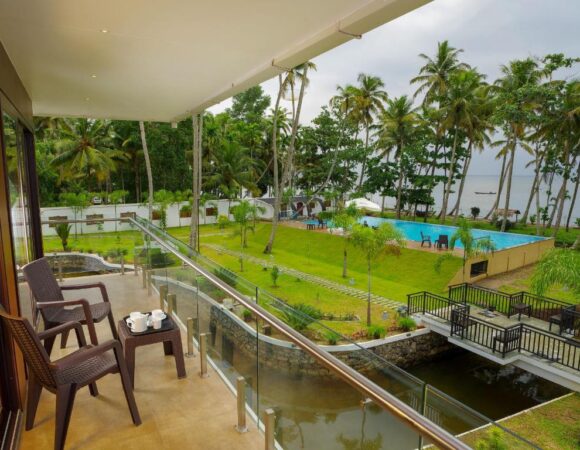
x=493 y=441
x=247 y=315
x=185 y=211
x=226 y=276
x=300 y=316
x=325 y=215
x=222 y=221
x=274 y=274
x=533 y=219
x=508 y=224
x=331 y=337
x=376 y=332
x=475 y=212
x=407 y=323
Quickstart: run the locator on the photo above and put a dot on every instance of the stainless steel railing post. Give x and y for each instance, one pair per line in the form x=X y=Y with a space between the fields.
x=162 y=296
x=203 y=355
x=190 y=352
x=241 y=391
x=171 y=304
x=149 y=275
x=144 y=274
x=122 y=264
x=59 y=268
x=135 y=264
x=269 y=425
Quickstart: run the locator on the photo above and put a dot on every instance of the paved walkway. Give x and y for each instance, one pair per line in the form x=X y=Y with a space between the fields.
x=353 y=292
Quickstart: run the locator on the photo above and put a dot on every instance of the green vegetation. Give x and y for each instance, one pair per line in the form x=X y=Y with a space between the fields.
x=553 y=426
x=407 y=323
x=557 y=267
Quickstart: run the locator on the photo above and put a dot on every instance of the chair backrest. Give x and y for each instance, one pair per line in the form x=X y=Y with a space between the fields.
x=443 y=238
x=43 y=285
x=34 y=353
x=422 y=235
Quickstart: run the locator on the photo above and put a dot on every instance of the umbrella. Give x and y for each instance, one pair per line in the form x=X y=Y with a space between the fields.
x=364 y=204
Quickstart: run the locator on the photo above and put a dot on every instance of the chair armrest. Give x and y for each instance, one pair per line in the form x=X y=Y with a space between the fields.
x=82 y=355
x=59 y=329
x=99 y=285
x=86 y=308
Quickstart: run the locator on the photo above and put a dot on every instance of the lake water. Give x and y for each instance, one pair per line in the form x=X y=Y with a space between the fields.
x=521 y=187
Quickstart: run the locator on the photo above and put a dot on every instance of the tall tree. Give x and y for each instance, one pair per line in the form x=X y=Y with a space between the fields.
x=149 y=173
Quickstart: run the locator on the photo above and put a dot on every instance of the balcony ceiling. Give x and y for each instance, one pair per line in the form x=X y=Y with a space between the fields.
x=161 y=60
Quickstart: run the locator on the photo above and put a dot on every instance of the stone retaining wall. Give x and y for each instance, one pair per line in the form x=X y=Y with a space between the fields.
x=79 y=262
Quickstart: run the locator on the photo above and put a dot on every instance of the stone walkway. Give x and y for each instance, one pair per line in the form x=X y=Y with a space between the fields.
x=353 y=292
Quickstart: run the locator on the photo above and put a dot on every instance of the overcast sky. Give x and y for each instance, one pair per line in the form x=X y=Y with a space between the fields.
x=491 y=32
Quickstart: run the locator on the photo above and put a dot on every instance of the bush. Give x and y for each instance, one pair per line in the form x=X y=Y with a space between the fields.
x=301 y=315
x=226 y=276
x=533 y=219
x=247 y=315
x=274 y=274
x=376 y=332
x=407 y=324
x=493 y=441
x=508 y=224
x=331 y=337
x=475 y=212
x=325 y=215
x=222 y=222
x=185 y=211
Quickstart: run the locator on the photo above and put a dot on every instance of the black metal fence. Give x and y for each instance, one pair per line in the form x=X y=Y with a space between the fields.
x=503 y=340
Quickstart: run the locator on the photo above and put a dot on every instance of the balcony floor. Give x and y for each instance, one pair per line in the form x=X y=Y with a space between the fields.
x=192 y=413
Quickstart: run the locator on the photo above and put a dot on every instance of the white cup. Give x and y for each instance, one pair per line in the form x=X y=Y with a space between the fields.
x=138 y=324
x=157 y=313
x=156 y=321
x=135 y=314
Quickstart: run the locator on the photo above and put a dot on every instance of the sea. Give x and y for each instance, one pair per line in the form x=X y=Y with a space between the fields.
x=521 y=187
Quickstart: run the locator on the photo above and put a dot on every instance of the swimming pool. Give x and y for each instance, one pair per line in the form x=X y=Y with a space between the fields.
x=412 y=231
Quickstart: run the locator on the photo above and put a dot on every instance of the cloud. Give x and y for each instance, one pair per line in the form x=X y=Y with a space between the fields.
x=491 y=32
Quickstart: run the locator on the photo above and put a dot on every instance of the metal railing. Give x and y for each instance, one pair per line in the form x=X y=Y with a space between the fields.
x=504 y=340
x=403 y=412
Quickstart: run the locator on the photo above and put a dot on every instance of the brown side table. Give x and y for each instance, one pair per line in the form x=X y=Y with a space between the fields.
x=519 y=309
x=169 y=335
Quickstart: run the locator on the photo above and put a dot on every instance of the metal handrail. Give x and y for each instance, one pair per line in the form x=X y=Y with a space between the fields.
x=435 y=434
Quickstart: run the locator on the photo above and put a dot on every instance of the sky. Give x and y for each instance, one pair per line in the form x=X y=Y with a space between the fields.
x=490 y=32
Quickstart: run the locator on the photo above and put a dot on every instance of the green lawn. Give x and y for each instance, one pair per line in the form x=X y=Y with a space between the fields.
x=556 y=292
x=321 y=254
x=554 y=426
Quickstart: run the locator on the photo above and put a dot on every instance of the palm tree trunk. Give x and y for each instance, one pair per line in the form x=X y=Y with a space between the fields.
x=449 y=178
x=538 y=221
x=509 y=186
x=277 y=197
x=400 y=182
x=344 y=260
x=574 y=196
x=562 y=195
x=194 y=232
x=499 y=187
x=364 y=163
x=148 y=169
x=456 y=208
x=369 y=293
x=535 y=184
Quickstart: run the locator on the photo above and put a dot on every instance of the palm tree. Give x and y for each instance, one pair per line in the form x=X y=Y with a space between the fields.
x=558 y=266
x=369 y=97
x=397 y=127
x=385 y=239
x=459 y=116
x=231 y=170
x=516 y=103
x=148 y=169
x=472 y=247
x=433 y=78
x=245 y=214
x=346 y=218
x=85 y=150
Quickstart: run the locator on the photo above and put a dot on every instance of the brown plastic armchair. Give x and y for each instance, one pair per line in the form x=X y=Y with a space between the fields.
x=65 y=376
x=50 y=302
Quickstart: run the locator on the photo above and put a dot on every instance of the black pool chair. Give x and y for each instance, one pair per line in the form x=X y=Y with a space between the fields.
x=442 y=240
x=425 y=239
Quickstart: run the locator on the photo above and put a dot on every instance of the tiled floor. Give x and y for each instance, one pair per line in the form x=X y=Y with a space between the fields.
x=190 y=413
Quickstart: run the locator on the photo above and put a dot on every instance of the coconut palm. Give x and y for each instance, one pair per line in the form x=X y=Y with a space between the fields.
x=369 y=97
x=148 y=169
x=231 y=170
x=557 y=267
x=386 y=239
x=433 y=78
x=85 y=150
x=397 y=127
x=459 y=115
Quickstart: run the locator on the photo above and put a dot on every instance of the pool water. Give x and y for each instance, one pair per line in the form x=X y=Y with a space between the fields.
x=412 y=231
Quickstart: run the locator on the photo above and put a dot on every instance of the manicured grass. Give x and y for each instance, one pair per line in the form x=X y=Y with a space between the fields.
x=321 y=254
x=294 y=291
x=556 y=292
x=564 y=237
x=554 y=426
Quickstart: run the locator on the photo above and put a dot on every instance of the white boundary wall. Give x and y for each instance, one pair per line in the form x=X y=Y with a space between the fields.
x=108 y=212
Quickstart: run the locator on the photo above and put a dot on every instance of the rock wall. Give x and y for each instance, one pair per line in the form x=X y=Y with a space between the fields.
x=79 y=262
x=231 y=338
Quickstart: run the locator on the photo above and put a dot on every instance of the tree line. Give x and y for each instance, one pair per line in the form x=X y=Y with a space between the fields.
x=362 y=142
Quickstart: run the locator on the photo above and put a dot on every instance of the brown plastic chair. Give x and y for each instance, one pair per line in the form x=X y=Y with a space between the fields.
x=65 y=376
x=49 y=300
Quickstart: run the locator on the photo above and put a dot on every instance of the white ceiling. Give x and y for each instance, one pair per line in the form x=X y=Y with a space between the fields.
x=162 y=59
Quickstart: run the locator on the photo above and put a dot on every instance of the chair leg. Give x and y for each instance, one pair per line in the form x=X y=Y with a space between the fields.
x=65 y=397
x=48 y=344
x=127 y=386
x=113 y=326
x=93 y=389
x=34 y=391
x=64 y=339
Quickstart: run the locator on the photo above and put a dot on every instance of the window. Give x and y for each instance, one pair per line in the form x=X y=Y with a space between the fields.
x=478 y=268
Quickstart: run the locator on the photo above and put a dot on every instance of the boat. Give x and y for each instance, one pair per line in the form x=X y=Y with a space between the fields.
x=485 y=193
